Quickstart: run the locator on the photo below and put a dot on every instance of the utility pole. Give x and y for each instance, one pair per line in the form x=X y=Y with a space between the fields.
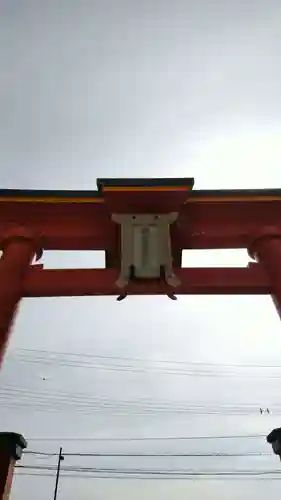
x=60 y=459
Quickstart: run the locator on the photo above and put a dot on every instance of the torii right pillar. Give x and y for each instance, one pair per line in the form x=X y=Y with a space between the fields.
x=266 y=249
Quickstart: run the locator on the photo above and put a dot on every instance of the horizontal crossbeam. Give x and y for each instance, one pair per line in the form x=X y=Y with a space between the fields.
x=194 y=281
x=82 y=226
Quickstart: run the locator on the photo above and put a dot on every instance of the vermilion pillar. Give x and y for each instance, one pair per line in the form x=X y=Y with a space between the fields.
x=11 y=447
x=19 y=249
x=266 y=249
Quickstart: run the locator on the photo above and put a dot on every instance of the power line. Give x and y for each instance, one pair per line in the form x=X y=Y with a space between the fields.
x=99 y=403
x=137 y=454
x=121 y=411
x=62 y=396
x=81 y=401
x=40 y=454
x=150 y=478
x=122 y=470
x=60 y=359
x=148 y=438
x=156 y=472
x=139 y=359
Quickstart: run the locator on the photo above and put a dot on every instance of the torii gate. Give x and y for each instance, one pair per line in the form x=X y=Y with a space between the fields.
x=142 y=225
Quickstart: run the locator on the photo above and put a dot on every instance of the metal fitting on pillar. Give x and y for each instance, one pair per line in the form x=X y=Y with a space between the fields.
x=267 y=232
x=265 y=247
x=21 y=233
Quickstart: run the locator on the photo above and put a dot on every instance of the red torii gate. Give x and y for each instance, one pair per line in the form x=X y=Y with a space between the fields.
x=33 y=221
x=142 y=225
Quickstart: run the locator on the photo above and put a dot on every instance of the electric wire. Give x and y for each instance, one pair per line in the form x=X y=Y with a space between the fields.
x=148 y=478
x=156 y=473
x=59 y=400
x=116 y=470
x=139 y=454
x=119 y=411
x=145 y=438
x=88 y=355
x=186 y=368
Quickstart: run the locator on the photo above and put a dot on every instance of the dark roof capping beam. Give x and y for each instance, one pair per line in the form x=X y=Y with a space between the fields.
x=197 y=193
x=187 y=182
x=48 y=193
x=182 y=183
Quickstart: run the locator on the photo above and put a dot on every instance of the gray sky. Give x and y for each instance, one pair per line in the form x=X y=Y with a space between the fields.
x=152 y=88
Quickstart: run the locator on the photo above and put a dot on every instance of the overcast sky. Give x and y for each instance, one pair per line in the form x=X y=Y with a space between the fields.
x=141 y=88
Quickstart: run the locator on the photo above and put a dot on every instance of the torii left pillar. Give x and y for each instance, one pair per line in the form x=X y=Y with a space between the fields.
x=19 y=248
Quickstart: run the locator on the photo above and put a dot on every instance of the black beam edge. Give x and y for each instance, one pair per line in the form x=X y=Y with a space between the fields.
x=42 y=193
x=188 y=182
x=234 y=192
x=164 y=182
x=45 y=193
